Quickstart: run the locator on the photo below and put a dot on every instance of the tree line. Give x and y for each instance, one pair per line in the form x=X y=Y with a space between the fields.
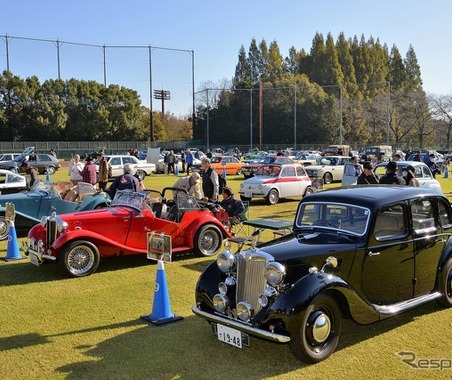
x=356 y=87
x=72 y=110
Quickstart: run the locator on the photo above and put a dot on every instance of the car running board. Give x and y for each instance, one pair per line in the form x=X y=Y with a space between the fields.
x=388 y=310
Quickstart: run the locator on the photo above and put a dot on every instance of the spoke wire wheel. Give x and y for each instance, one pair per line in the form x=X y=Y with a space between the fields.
x=81 y=258
x=208 y=240
x=4 y=228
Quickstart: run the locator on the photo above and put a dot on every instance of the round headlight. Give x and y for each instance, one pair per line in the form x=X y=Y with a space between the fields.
x=43 y=221
x=220 y=302
x=61 y=225
x=225 y=261
x=222 y=288
x=275 y=273
x=244 y=311
x=262 y=300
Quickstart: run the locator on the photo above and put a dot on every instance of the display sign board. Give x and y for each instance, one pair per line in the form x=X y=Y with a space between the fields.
x=10 y=213
x=159 y=247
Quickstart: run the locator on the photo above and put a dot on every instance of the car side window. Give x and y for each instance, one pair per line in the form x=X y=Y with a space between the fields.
x=300 y=172
x=127 y=160
x=422 y=213
x=445 y=217
x=288 y=171
x=115 y=161
x=43 y=157
x=390 y=223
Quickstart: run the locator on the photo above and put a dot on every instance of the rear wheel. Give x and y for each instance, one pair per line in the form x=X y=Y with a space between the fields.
x=308 y=191
x=80 y=258
x=208 y=240
x=272 y=197
x=319 y=331
x=446 y=286
x=4 y=228
x=327 y=178
x=51 y=170
x=141 y=174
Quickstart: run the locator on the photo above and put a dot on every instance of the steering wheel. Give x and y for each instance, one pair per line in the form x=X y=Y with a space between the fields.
x=324 y=222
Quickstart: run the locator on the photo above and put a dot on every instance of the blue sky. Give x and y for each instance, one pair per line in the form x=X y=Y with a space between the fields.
x=215 y=31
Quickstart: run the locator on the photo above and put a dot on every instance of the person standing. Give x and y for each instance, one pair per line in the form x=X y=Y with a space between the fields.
x=353 y=168
x=75 y=167
x=88 y=173
x=31 y=173
x=432 y=165
x=391 y=177
x=182 y=158
x=188 y=160
x=410 y=178
x=367 y=177
x=210 y=182
x=103 y=172
x=170 y=160
x=124 y=182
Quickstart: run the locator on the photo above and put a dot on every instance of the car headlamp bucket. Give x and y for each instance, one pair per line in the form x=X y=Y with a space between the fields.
x=225 y=261
x=220 y=302
x=275 y=273
x=244 y=311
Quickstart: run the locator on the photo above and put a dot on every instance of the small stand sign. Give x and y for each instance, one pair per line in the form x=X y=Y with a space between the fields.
x=160 y=249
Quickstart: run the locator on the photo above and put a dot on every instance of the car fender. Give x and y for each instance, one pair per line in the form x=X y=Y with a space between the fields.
x=20 y=214
x=197 y=223
x=294 y=301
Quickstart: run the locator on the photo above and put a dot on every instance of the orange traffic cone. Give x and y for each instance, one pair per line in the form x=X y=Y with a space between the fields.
x=161 y=309
x=12 y=251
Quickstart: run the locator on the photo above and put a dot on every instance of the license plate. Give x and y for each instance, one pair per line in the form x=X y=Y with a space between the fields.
x=248 y=194
x=34 y=260
x=230 y=336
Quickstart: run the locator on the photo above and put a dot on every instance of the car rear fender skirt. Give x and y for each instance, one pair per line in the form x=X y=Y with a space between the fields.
x=300 y=295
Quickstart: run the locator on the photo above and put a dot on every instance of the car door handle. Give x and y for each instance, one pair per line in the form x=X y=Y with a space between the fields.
x=373 y=253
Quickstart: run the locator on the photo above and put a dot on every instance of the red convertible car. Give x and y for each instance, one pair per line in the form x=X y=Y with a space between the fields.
x=78 y=241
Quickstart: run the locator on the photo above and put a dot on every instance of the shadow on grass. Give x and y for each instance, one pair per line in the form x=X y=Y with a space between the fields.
x=23 y=272
x=152 y=352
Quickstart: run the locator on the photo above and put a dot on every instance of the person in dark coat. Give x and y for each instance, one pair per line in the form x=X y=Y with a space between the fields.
x=231 y=205
x=367 y=177
x=31 y=173
x=391 y=177
x=124 y=182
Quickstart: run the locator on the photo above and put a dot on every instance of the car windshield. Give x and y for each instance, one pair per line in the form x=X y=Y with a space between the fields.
x=268 y=170
x=334 y=216
x=43 y=186
x=129 y=198
x=216 y=159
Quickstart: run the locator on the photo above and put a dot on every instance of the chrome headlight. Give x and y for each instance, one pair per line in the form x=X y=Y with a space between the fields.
x=225 y=261
x=44 y=220
x=61 y=225
x=244 y=311
x=275 y=273
x=220 y=302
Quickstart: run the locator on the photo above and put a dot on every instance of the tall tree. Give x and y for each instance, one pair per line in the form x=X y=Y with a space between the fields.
x=397 y=73
x=413 y=79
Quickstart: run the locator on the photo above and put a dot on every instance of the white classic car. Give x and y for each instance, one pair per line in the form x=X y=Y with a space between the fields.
x=273 y=181
x=330 y=168
x=117 y=162
x=11 y=182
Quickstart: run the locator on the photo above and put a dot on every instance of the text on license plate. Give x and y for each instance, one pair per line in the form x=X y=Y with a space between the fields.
x=248 y=194
x=229 y=336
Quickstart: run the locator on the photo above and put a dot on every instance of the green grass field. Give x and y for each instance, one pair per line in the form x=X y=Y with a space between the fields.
x=54 y=327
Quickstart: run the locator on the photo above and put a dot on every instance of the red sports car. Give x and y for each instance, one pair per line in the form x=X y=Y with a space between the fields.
x=78 y=241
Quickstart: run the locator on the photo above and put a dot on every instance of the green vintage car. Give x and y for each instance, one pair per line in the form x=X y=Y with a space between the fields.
x=45 y=198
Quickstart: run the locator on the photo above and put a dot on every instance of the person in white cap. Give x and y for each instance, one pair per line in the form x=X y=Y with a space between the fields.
x=191 y=184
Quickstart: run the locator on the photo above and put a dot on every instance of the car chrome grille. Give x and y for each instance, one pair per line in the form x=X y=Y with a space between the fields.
x=51 y=231
x=250 y=277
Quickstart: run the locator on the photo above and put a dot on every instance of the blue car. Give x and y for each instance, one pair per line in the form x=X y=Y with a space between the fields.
x=45 y=198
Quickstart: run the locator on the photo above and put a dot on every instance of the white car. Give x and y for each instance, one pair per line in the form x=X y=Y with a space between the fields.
x=421 y=172
x=117 y=162
x=330 y=168
x=11 y=182
x=274 y=182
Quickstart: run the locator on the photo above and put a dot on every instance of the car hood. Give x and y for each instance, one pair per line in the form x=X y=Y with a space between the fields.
x=310 y=247
x=258 y=180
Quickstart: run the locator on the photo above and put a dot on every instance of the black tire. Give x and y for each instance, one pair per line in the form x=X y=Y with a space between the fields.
x=208 y=240
x=308 y=191
x=327 y=178
x=445 y=286
x=80 y=258
x=4 y=228
x=319 y=331
x=272 y=197
x=245 y=199
x=247 y=176
x=51 y=170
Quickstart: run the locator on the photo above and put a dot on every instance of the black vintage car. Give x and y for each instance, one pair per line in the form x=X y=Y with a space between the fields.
x=365 y=253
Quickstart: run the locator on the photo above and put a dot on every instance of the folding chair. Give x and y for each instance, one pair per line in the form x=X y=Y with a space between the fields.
x=237 y=227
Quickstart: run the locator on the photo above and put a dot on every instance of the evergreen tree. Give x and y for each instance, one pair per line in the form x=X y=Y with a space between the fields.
x=397 y=73
x=413 y=79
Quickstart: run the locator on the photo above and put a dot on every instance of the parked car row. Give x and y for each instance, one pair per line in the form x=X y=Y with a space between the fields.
x=44 y=163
